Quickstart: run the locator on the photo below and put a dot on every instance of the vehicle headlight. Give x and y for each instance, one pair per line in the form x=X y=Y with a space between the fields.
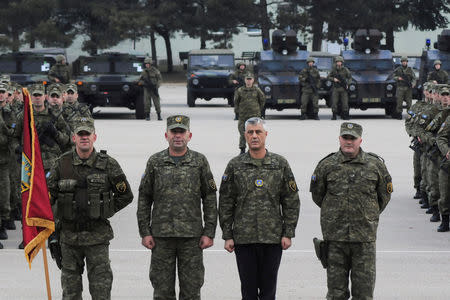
x=352 y=87
x=195 y=81
x=267 y=89
x=93 y=87
x=328 y=83
x=389 y=87
x=284 y=52
x=126 y=88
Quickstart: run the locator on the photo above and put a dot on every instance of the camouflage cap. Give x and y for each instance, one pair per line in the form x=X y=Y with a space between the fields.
x=178 y=121
x=37 y=88
x=249 y=75
x=10 y=89
x=60 y=58
x=147 y=60
x=404 y=58
x=85 y=124
x=3 y=87
x=5 y=78
x=353 y=129
x=310 y=59
x=444 y=90
x=54 y=89
x=437 y=62
x=71 y=87
x=339 y=58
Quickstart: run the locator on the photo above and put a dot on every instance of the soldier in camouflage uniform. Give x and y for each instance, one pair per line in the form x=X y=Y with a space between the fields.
x=249 y=102
x=74 y=111
x=176 y=189
x=55 y=97
x=438 y=76
x=341 y=77
x=442 y=141
x=60 y=72
x=405 y=78
x=151 y=80
x=309 y=79
x=237 y=79
x=258 y=212
x=87 y=188
x=352 y=188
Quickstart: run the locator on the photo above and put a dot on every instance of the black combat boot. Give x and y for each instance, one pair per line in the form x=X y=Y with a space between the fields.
x=1 y=246
x=425 y=201
x=346 y=116
x=334 y=116
x=236 y=117
x=316 y=116
x=444 y=227
x=159 y=117
x=10 y=224
x=436 y=217
x=431 y=210
x=418 y=194
x=302 y=116
x=20 y=245
x=3 y=234
x=242 y=150
x=147 y=117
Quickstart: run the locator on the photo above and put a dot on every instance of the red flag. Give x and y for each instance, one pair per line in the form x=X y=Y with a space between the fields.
x=37 y=212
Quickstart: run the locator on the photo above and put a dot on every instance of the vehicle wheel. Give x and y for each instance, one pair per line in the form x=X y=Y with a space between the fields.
x=139 y=103
x=231 y=101
x=190 y=99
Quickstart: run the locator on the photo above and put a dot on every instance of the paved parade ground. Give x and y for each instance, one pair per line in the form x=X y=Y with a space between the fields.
x=413 y=259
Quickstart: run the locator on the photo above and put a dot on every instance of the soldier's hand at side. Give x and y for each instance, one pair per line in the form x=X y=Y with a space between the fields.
x=336 y=80
x=148 y=242
x=229 y=245
x=57 y=80
x=235 y=81
x=447 y=155
x=399 y=78
x=420 y=141
x=285 y=243
x=205 y=242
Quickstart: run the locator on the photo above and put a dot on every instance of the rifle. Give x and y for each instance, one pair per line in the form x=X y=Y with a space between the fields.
x=55 y=246
x=415 y=145
x=312 y=83
x=341 y=81
x=432 y=151
x=149 y=85
x=407 y=79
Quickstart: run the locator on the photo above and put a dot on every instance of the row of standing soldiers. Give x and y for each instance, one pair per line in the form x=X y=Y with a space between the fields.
x=428 y=123
x=56 y=112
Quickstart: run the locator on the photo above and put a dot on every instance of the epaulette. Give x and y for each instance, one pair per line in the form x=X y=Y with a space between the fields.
x=102 y=160
x=332 y=153
x=375 y=155
x=103 y=151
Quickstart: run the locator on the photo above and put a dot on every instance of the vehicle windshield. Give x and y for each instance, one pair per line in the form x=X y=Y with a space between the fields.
x=8 y=66
x=41 y=65
x=217 y=62
x=95 y=67
x=130 y=67
x=275 y=66
x=370 y=65
x=324 y=63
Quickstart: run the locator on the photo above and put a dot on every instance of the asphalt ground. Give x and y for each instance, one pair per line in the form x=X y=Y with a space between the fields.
x=413 y=259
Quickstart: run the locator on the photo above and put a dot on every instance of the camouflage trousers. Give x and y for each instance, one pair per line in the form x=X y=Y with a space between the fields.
x=148 y=96
x=309 y=97
x=356 y=260
x=444 y=200
x=433 y=181
x=98 y=271
x=417 y=169
x=14 y=177
x=339 y=93
x=5 y=208
x=169 y=253
x=403 y=94
x=423 y=171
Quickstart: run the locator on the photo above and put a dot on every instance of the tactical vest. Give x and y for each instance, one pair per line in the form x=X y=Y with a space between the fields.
x=88 y=198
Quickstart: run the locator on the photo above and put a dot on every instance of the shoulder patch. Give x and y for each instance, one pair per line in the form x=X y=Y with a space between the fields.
x=389 y=187
x=121 y=187
x=293 y=185
x=224 y=177
x=212 y=184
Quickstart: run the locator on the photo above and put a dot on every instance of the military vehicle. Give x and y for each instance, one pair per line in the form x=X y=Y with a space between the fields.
x=441 y=52
x=208 y=74
x=372 y=84
x=26 y=68
x=278 y=69
x=110 y=79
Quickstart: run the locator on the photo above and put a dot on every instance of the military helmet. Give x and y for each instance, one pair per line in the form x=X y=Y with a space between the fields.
x=404 y=58
x=147 y=60
x=437 y=62
x=339 y=58
x=310 y=59
x=59 y=58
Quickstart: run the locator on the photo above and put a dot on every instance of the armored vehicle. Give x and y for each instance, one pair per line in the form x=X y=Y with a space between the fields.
x=372 y=68
x=208 y=74
x=441 y=52
x=26 y=68
x=278 y=70
x=110 y=79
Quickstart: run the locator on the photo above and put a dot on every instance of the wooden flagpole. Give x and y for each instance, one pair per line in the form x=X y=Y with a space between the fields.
x=47 y=279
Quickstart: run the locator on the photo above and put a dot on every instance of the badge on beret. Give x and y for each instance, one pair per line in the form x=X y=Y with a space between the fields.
x=121 y=187
x=212 y=184
x=259 y=182
x=292 y=185
x=389 y=188
x=224 y=177
x=178 y=119
x=350 y=126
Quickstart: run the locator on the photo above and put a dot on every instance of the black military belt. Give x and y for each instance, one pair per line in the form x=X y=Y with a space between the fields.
x=80 y=226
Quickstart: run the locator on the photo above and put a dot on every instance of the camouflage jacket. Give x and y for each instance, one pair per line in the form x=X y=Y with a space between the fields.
x=440 y=76
x=72 y=113
x=51 y=144
x=259 y=200
x=100 y=171
x=407 y=74
x=60 y=71
x=351 y=194
x=340 y=73
x=173 y=195
x=443 y=136
x=238 y=75
x=413 y=113
x=305 y=77
x=249 y=102
x=150 y=78
x=426 y=117
x=9 y=140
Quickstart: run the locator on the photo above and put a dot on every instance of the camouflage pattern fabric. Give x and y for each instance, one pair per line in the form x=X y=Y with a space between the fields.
x=351 y=193
x=170 y=254
x=60 y=71
x=73 y=112
x=172 y=196
x=404 y=87
x=356 y=259
x=151 y=80
x=339 y=92
x=259 y=200
x=308 y=94
x=442 y=139
x=440 y=76
x=238 y=75
x=150 y=95
x=403 y=94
